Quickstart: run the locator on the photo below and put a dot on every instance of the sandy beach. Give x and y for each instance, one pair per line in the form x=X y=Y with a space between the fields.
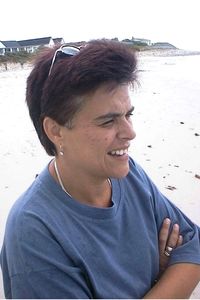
x=166 y=120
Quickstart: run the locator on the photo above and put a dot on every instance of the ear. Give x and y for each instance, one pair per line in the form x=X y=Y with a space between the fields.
x=53 y=130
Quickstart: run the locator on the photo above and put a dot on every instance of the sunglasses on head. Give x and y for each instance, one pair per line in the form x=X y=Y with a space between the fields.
x=63 y=51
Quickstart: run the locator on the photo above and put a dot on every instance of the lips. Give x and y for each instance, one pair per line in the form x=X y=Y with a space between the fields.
x=118 y=152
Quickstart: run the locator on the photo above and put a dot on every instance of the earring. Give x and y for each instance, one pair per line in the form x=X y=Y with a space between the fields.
x=61 y=151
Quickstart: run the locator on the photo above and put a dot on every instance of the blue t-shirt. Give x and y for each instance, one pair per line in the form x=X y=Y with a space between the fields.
x=56 y=247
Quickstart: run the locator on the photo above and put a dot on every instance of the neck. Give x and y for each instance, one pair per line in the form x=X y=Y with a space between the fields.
x=90 y=192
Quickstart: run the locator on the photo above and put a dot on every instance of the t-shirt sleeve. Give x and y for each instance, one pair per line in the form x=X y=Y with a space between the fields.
x=189 y=251
x=50 y=284
x=43 y=268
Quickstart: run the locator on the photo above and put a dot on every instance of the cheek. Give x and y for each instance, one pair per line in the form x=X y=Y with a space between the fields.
x=98 y=142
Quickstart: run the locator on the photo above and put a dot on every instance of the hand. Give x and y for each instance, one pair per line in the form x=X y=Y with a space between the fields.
x=168 y=239
x=178 y=280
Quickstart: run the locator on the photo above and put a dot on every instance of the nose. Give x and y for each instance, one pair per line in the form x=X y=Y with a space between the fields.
x=125 y=130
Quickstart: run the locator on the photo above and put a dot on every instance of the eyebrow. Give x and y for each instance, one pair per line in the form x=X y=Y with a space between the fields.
x=113 y=115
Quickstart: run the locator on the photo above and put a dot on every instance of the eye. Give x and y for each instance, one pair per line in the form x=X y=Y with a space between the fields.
x=107 y=123
x=129 y=115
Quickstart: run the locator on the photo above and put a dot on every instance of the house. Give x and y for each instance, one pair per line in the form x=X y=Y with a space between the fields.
x=30 y=45
x=58 y=41
x=163 y=45
x=2 y=48
x=137 y=41
x=33 y=44
x=141 y=41
x=9 y=47
x=26 y=45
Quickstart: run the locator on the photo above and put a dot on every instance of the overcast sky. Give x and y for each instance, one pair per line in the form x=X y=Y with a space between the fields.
x=173 y=21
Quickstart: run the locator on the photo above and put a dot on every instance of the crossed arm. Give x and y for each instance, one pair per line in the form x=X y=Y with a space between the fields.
x=176 y=281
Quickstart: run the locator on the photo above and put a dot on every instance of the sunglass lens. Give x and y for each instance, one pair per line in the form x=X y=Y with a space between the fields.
x=70 y=51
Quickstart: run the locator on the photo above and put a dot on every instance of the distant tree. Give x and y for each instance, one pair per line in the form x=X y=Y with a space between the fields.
x=115 y=39
x=127 y=41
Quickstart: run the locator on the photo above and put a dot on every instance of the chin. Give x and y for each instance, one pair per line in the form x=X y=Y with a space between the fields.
x=121 y=173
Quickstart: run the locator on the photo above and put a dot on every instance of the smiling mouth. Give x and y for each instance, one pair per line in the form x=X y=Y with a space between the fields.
x=119 y=152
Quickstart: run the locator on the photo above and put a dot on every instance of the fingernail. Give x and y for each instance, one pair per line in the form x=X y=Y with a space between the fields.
x=176 y=226
x=167 y=221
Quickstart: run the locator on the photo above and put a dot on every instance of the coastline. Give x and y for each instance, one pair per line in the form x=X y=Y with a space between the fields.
x=148 y=52
x=168 y=52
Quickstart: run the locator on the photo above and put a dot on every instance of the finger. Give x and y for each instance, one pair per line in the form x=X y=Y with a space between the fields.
x=174 y=236
x=163 y=234
x=180 y=241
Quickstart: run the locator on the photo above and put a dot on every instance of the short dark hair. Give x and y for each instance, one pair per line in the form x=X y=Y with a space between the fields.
x=60 y=95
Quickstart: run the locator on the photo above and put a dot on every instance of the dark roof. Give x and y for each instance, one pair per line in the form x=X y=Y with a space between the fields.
x=11 y=44
x=35 y=42
x=58 y=40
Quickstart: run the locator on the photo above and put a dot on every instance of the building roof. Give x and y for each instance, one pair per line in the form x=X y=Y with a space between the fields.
x=58 y=40
x=11 y=44
x=2 y=46
x=35 y=42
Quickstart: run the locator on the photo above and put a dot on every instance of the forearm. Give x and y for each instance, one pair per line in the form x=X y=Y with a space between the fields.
x=178 y=281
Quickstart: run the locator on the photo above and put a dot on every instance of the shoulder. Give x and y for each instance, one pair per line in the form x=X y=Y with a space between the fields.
x=30 y=206
x=138 y=174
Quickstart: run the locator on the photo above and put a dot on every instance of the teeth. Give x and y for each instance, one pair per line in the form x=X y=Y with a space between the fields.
x=119 y=152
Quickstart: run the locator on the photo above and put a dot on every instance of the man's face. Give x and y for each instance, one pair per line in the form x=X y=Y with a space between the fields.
x=98 y=142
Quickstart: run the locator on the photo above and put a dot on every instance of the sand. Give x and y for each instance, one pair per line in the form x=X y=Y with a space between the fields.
x=166 y=120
